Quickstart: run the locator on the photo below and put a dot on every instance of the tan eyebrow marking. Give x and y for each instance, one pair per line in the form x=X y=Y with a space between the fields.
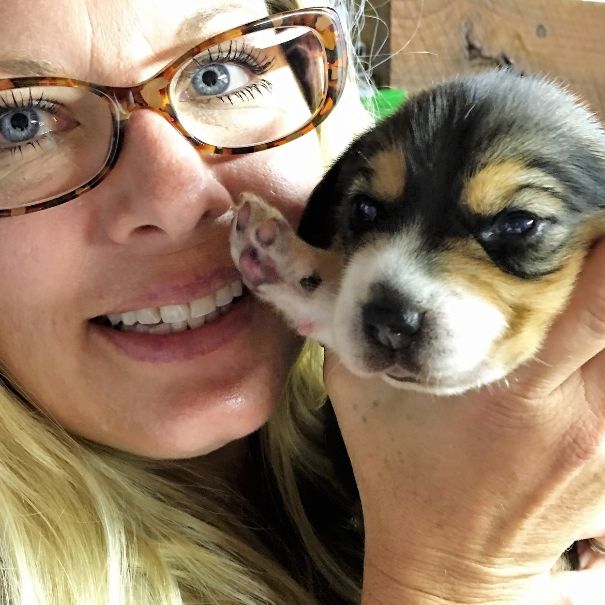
x=492 y=188
x=389 y=172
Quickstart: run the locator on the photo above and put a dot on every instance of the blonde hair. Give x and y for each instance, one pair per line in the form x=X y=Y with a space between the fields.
x=83 y=524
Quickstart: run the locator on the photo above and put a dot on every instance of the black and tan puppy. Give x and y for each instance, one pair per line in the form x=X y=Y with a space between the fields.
x=440 y=247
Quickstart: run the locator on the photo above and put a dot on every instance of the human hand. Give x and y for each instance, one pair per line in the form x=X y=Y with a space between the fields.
x=585 y=587
x=472 y=498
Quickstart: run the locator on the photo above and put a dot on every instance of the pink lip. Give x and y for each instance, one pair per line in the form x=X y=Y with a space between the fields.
x=181 y=346
x=177 y=292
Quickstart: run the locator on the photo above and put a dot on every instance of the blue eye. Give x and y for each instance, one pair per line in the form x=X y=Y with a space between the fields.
x=211 y=79
x=19 y=125
x=226 y=72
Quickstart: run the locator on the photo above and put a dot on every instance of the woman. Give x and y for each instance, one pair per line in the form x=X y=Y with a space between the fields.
x=131 y=467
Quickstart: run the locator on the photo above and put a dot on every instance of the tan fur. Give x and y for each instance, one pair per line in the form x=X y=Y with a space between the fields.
x=491 y=190
x=389 y=173
x=529 y=306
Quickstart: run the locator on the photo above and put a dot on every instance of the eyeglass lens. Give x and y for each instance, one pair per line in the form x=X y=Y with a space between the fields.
x=248 y=91
x=252 y=90
x=53 y=139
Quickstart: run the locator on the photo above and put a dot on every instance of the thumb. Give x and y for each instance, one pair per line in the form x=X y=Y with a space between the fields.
x=578 y=334
x=348 y=391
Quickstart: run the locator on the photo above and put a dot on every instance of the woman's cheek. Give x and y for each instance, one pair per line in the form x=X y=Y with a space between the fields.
x=283 y=176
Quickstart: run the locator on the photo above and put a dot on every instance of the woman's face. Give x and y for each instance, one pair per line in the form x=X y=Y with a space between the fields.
x=153 y=234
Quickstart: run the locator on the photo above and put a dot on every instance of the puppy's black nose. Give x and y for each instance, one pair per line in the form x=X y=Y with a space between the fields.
x=390 y=325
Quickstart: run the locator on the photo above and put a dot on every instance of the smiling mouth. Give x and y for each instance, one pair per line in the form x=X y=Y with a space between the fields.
x=175 y=318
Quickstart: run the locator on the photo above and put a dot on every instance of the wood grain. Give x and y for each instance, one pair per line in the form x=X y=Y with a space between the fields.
x=432 y=40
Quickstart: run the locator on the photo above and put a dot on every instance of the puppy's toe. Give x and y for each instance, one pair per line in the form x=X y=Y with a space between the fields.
x=256 y=271
x=259 y=237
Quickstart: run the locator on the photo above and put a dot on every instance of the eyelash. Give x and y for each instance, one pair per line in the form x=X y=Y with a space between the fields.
x=48 y=105
x=241 y=54
x=244 y=55
x=250 y=89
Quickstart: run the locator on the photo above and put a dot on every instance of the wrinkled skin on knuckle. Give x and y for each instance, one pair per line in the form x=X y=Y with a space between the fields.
x=593 y=317
x=583 y=441
x=578 y=404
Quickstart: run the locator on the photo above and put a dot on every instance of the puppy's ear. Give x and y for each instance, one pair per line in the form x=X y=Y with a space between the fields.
x=320 y=219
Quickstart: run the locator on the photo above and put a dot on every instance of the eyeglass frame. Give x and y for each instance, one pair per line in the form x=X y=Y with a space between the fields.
x=153 y=93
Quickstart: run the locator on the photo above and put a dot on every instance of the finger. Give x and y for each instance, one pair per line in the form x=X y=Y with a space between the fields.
x=577 y=335
x=351 y=396
x=330 y=362
x=333 y=371
x=578 y=588
x=338 y=380
x=591 y=380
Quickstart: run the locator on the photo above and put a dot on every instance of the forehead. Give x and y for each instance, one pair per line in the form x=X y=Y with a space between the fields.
x=115 y=42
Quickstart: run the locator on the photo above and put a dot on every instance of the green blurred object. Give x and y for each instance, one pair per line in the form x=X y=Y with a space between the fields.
x=384 y=102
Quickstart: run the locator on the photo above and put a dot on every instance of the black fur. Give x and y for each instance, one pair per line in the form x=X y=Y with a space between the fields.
x=447 y=135
x=451 y=132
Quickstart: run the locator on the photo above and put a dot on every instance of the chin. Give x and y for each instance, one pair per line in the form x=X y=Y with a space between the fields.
x=214 y=410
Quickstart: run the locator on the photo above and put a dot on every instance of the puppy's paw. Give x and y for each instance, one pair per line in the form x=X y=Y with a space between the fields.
x=282 y=269
x=264 y=247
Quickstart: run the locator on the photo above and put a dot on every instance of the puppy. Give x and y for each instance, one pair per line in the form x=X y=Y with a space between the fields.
x=437 y=251
x=440 y=247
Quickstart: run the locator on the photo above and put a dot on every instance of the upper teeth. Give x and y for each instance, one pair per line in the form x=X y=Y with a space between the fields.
x=192 y=314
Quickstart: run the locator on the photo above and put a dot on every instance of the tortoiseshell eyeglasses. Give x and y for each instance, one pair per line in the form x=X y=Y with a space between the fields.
x=251 y=88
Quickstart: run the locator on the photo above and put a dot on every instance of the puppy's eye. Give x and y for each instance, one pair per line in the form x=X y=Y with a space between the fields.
x=516 y=223
x=364 y=210
x=513 y=228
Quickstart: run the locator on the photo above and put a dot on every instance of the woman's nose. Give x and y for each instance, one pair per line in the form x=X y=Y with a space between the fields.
x=161 y=190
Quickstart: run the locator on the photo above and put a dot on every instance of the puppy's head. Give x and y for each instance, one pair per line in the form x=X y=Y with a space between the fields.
x=463 y=219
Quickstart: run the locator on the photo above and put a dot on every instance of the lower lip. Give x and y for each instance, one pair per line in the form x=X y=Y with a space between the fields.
x=181 y=346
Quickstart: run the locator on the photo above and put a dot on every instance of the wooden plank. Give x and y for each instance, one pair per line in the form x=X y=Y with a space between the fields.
x=435 y=39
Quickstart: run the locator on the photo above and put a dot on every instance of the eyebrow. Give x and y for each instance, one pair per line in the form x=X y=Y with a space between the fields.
x=29 y=67
x=189 y=29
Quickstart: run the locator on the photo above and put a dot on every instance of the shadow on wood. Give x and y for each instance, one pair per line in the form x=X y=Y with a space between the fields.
x=438 y=39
